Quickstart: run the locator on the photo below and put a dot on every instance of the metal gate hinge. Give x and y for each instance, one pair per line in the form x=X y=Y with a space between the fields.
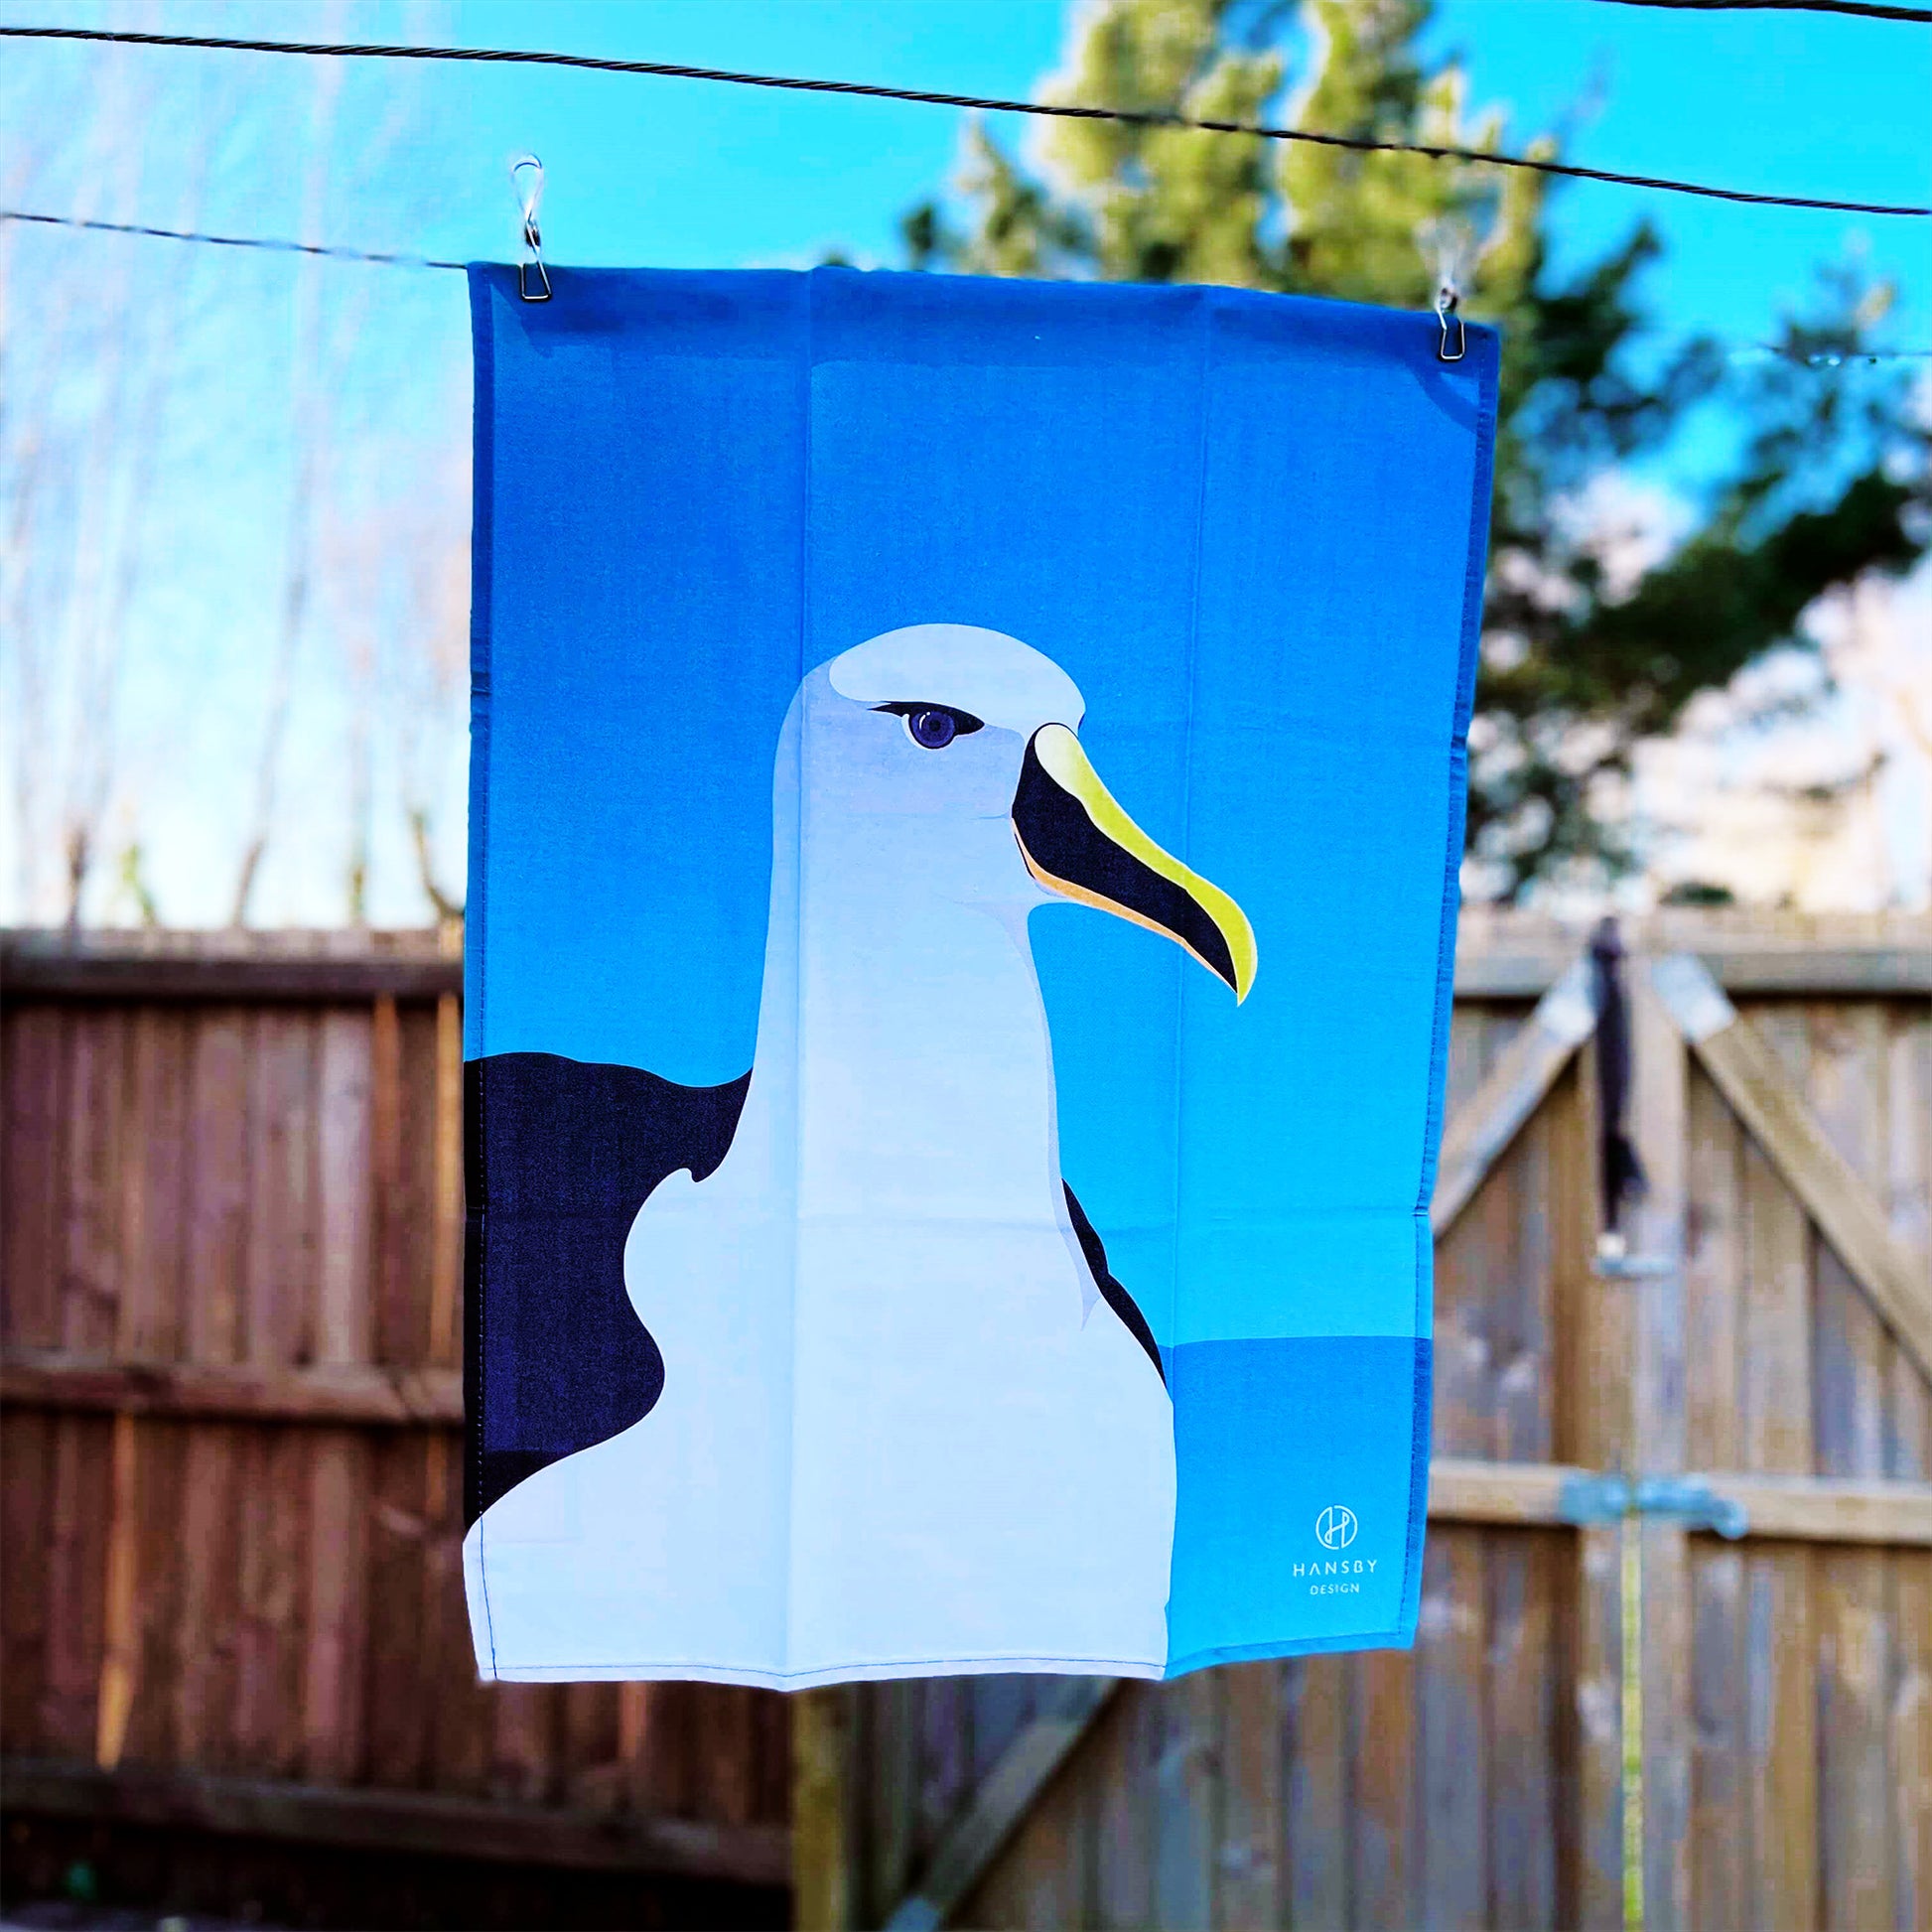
x=1635 y=1268
x=1609 y=1498
x=1614 y=1262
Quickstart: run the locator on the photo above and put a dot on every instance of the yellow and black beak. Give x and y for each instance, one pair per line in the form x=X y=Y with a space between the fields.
x=1077 y=842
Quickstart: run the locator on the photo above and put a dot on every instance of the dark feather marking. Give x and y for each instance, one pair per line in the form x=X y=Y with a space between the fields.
x=1111 y=1291
x=563 y=1154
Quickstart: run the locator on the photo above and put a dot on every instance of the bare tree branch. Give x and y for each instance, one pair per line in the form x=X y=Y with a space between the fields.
x=307 y=420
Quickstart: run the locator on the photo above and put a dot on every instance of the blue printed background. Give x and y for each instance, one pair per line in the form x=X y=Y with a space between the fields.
x=1251 y=529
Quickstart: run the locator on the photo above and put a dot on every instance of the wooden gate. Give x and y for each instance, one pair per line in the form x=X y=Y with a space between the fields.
x=229 y=1595
x=1765 y=1340
x=232 y=1596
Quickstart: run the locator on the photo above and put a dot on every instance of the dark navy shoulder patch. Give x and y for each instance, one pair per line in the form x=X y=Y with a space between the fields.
x=1111 y=1291
x=560 y=1155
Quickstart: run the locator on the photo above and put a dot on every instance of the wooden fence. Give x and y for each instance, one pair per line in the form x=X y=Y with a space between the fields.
x=232 y=1593
x=1771 y=1329
x=230 y=1596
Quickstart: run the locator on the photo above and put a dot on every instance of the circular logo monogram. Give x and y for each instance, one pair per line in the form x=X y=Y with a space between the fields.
x=1335 y=1527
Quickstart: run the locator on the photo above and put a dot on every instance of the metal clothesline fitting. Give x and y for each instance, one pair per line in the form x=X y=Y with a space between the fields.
x=527 y=201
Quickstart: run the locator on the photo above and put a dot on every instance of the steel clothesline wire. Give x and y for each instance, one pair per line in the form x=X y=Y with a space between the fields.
x=276 y=244
x=984 y=103
x=1824 y=358
x=1863 y=9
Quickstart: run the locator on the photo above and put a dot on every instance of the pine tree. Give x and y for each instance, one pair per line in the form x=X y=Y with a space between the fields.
x=1579 y=664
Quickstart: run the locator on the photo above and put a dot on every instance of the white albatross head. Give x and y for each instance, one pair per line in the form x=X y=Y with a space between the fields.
x=952 y=750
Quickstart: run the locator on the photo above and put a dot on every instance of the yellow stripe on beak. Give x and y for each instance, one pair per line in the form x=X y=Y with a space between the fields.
x=1077 y=842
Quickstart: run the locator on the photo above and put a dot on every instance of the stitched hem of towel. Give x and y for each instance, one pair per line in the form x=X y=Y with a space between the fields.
x=851 y=1672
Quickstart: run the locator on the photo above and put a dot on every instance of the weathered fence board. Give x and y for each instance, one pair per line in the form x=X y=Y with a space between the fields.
x=228 y=1360
x=382 y=1820
x=228 y=1363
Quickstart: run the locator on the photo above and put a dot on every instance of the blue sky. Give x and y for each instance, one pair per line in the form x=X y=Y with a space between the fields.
x=686 y=174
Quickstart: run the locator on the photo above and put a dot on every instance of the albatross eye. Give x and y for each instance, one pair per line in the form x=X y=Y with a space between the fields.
x=934 y=726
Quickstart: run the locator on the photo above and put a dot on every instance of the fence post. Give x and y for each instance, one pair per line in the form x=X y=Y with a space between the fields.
x=821 y=1750
x=1660 y=1074
x=1594 y=1418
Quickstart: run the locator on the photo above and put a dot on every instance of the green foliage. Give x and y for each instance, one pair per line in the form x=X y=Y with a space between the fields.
x=1579 y=663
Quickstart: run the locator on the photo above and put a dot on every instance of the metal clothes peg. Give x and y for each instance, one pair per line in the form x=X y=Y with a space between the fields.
x=528 y=201
x=1448 y=244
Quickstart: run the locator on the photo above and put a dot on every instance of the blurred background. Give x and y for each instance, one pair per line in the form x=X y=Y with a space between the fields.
x=234 y=498
x=233 y=484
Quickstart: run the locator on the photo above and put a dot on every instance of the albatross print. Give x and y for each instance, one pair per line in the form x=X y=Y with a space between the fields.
x=906 y=1232
x=907 y=1422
